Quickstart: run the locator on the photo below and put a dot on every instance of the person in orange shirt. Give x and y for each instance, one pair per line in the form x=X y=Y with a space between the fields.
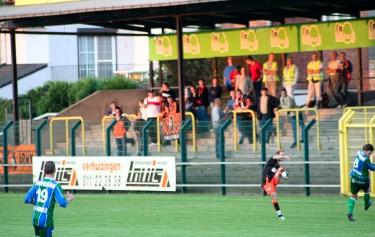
x=119 y=132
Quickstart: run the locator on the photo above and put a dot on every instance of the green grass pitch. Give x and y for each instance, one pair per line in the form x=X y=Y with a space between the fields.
x=179 y=215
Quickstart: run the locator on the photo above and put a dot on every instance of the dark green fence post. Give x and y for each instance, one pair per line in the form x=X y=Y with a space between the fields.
x=5 y=153
x=144 y=137
x=222 y=155
x=108 y=138
x=306 y=148
x=73 y=137
x=39 y=137
x=263 y=139
x=183 y=153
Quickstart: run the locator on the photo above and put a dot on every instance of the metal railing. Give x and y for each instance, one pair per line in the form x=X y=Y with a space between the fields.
x=222 y=169
x=71 y=73
x=67 y=119
x=110 y=117
x=297 y=111
x=254 y=127
x=368 y=113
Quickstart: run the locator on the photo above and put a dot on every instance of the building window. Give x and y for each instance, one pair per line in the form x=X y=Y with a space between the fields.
x=96 y=56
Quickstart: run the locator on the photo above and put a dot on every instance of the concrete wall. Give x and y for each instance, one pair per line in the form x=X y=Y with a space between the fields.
x=94 y=107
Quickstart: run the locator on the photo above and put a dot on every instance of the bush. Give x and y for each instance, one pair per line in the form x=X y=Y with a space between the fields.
x=56 y=98
x=82 y=89
x=116 y=83
x=4 y=103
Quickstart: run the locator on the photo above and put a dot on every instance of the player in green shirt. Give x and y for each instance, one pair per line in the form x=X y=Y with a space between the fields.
x=360 y=179
x=43 y=195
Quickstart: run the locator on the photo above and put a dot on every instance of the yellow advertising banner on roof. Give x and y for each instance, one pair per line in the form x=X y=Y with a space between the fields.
x=33 y=2
x=356 y=33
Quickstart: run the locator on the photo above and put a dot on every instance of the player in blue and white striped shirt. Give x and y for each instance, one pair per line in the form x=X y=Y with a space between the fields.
x=43 y=195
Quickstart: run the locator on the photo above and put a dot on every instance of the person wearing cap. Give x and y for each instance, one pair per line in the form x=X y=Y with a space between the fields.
x=152 y=105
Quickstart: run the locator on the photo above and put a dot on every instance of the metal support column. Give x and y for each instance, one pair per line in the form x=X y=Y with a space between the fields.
x=360 y=77
x=151 y=72
x=180 y=67
x=14 y=86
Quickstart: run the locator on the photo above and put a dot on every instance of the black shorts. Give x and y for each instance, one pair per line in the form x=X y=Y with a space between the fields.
x=357 y=184
x=43 y=231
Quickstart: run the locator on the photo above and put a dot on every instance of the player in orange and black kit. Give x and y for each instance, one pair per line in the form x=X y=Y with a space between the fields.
x=271 y=177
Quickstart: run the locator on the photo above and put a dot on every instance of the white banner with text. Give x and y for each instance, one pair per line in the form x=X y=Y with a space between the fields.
x=110 y=173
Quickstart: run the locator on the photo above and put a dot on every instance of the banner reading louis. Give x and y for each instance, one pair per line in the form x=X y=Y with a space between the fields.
x=111 y=173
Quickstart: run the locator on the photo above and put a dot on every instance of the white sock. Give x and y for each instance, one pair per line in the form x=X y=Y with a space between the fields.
x=284 y=174
x=279 y=213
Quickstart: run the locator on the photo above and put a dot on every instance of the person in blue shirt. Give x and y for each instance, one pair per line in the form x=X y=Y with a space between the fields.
x=227 y=71
x=360 y=178
x=43 y=195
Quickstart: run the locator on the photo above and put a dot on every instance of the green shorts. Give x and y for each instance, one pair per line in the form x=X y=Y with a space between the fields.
x=43 y=231
x=357 y=184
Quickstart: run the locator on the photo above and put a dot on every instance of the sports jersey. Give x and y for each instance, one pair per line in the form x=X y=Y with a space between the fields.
x=361 y=166
x=153 y=107
x=43 y=195
x=270 y=170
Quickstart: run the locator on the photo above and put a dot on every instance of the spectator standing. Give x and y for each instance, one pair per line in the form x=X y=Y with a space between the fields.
x=315 y=79
x=234 y=75
x=347 y=71
x=202 y=103
x=333 y=70
x=152 y=104
x=270 y=77
x=217 y=120
x=119 y=132
x=286 y=102
x=112 y=110
x=244 y=120
x=165 y=91
x=266 y=105
x=227 y=71
x=243 y=83
x=255 y=71
x=215 y=91
x=190 y=101
x=290 y=77
x=139 y=123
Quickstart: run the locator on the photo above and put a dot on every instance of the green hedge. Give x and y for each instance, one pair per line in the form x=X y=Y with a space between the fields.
x=57 y=95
